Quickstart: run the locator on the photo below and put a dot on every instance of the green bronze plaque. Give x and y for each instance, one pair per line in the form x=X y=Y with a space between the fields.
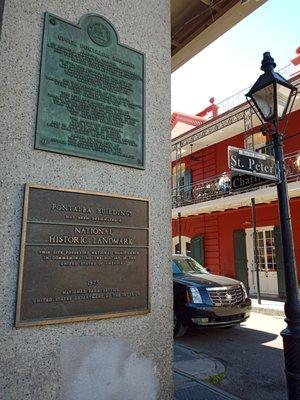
x=91 y=96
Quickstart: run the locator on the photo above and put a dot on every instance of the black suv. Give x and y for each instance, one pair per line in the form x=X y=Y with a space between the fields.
x=203 y=299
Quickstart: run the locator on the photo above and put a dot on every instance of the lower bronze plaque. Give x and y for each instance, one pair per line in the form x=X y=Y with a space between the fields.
x=84 y=256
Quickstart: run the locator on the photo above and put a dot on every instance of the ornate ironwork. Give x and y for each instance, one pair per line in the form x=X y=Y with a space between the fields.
x=248 y=123
x=211 y=129
x=220 y=186
x=228 y=104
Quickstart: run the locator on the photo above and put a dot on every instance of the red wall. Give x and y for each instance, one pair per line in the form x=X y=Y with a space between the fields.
x=217 y=229
x=213 y=160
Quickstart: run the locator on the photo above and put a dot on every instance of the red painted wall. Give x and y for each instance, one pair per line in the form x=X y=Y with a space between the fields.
x=213 y=160
x=217 y=229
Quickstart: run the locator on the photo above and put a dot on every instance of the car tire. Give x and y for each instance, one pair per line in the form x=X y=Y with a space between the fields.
x=179 y=328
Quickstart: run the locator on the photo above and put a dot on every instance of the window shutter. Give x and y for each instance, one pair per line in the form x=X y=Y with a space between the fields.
x=187 y=180
x=279 y=262
x=240 y=256
x=197 y=249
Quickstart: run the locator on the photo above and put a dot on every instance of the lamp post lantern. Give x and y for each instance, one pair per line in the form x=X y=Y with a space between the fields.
x=272 y=98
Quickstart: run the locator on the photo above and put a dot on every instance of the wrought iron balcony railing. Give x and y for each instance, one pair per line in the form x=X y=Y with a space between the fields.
x=221 y=185
x=239 y=98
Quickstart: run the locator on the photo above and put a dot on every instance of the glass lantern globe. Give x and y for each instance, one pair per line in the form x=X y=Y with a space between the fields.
x=271 y=94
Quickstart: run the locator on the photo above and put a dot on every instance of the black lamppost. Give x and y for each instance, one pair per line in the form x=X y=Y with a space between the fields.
x=272 y=98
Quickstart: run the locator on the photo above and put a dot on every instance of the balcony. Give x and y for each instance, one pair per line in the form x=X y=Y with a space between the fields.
x=234 y=116
x=222 y=186
x=239 y=98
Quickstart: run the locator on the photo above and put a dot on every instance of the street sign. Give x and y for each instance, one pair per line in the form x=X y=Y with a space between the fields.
x=252 y=163
x=239 y=182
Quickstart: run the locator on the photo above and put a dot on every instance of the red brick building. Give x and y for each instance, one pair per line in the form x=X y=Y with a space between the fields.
x=214 y=204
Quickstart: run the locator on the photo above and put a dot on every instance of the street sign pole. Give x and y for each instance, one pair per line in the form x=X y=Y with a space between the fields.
x=256 y=264
x=260 y=166
x=291 y=334
x=179 y=232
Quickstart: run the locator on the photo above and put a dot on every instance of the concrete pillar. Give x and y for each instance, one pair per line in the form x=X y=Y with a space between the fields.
x=128 y=358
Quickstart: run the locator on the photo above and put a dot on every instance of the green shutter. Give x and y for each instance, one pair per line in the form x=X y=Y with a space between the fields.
x=279 y=262
x=187 y=180
x=187 y=188
x=197 y=249
x=240 y=256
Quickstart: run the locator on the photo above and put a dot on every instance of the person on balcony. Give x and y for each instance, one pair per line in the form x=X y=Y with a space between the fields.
x=224 y=183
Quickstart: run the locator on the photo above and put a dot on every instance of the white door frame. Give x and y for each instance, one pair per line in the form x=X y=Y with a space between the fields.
x=268 y=280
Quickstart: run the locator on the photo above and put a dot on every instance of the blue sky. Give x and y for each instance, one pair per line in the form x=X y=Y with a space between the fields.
x=232 y=62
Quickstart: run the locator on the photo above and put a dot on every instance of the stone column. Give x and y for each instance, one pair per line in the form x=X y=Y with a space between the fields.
x=128 y=358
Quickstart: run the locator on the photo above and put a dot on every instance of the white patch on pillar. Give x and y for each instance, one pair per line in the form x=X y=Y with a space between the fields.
x=104 y=368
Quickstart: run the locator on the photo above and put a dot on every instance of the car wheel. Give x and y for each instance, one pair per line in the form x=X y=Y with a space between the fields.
x=179 y=328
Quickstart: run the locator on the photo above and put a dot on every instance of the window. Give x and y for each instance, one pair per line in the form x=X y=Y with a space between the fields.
x=297 y=163
x=188 y=248
x=178 y=175
x=176 y=270
x=184 y=244
x=187 y=265
x=255 y=142
x=258 y=142
x=266 y=250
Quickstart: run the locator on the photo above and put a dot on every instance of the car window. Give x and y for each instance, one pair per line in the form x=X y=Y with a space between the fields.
x=187 y=265
x=175 y=268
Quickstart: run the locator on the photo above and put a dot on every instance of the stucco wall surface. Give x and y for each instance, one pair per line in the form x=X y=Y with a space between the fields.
x=36 y=363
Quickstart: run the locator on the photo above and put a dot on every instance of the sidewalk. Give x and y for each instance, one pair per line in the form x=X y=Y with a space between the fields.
x=269 y=307
x=196 y=390
x=190 y=369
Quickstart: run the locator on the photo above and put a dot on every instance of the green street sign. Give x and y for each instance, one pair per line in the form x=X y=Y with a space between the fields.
x=252 y=163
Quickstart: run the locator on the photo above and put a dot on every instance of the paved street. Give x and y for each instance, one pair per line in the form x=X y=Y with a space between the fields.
x=252 y=355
